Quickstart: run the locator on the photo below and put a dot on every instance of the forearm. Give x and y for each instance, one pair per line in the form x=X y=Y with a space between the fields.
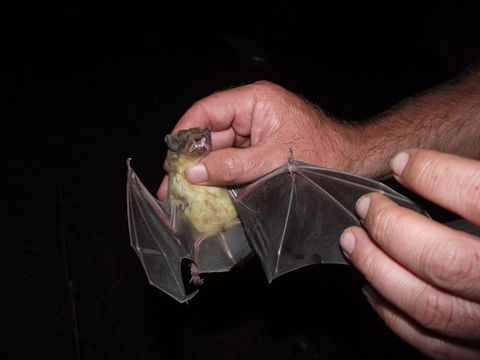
x=445 y=118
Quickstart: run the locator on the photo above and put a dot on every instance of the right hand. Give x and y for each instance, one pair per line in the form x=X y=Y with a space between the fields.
x=254 y=126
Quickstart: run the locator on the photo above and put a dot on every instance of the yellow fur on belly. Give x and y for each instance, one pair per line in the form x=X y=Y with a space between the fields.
x=209 y=209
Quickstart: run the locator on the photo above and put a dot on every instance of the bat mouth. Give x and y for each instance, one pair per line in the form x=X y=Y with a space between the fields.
x=199 y=145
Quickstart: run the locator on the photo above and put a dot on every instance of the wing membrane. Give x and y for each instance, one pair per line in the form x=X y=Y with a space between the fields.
x=295 y=215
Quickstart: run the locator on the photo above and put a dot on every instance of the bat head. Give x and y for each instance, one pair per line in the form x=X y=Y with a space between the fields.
x=194 y=142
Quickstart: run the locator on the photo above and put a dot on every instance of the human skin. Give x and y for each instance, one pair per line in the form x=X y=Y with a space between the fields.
x=423 y=277
x=254 y=126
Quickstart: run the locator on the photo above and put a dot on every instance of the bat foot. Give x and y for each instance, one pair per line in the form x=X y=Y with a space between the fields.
x=196 y=279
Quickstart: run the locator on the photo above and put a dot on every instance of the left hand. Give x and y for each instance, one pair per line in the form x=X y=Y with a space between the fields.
x=424 y=277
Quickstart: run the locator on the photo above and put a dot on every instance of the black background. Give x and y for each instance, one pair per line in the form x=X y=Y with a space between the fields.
x=90 y=84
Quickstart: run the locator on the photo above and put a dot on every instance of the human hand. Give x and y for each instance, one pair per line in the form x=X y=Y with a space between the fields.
x=254 y=126
x=424 y=278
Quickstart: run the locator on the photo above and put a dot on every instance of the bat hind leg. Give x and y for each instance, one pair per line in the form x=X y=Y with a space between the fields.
x=196 y=279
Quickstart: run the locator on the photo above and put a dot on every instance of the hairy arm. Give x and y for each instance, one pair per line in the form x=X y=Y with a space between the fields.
x=445 y=118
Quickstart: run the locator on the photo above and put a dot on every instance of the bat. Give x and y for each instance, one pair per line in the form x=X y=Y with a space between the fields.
x=290 y=218
x=196 y=223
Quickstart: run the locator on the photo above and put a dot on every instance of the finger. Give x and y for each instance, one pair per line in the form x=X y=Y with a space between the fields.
x=445 y=257
x=232 y=166
x=163 y=189
x=435 y=309
x=222 y=110
x=426 y=341
x=228 y=138
x=450 y=181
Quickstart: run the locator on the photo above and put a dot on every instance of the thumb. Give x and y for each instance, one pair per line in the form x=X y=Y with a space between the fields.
x=234 y=166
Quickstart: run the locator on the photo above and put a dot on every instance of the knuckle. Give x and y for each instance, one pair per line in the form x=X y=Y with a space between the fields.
x=426 y=170
x=231 y=169
x=473 y=209
x=438 y=349
x=383 y=222
x=267 y=88
x=371 y=267
x=452 y=264
x=199 y=105
x=473 y=197
x=264 y=83
x=434 y=310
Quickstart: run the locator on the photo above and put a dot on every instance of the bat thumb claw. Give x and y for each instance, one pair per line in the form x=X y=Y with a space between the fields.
x=292 y=158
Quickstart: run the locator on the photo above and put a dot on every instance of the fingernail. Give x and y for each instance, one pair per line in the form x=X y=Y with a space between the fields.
x=347 y=242
x=370 y=294
x=362 y=205
x=197 y=173
x=398 y=162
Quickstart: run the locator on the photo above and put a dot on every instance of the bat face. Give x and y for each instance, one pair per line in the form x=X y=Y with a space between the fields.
x=194 y=142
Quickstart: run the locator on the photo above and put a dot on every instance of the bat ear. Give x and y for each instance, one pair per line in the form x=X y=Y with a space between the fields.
x=174 y=143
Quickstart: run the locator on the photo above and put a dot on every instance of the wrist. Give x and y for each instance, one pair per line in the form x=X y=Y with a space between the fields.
x=369 y=149
x=363 y=150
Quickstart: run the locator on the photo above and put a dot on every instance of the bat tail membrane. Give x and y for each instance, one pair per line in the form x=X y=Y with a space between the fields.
x=223 y=251
x=159 y=251
x=295 y=215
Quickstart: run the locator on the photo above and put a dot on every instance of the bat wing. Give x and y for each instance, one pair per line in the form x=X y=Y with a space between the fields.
x=294 y=216
x=162 y=237
x=158 y=249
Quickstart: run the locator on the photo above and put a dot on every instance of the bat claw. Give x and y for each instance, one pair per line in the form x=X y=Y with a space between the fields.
x=291 y=160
